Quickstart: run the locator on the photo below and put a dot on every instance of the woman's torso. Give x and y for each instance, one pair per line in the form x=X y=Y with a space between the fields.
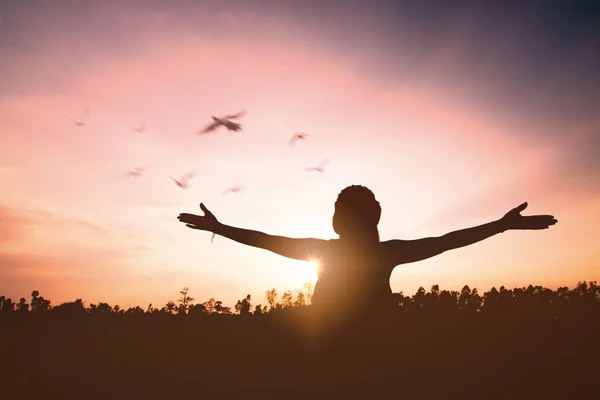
x=353 y=277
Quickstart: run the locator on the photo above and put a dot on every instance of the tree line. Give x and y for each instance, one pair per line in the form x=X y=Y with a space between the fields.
x=531 y=299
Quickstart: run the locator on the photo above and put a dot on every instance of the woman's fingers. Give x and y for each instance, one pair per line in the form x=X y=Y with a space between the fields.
x=547 y=219
x=189 y=218
x=520 y=208
x=538 y=221
x=206 y=210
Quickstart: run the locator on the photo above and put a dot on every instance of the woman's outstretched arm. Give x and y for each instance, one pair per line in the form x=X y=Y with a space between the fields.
x=407 y=251
x=299 y=249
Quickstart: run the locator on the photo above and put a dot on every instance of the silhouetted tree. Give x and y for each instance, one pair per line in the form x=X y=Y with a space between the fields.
x=104 y=308
x=6 y=305
x=221 y=309
x=522 y=303
x=402 y=301
x=184 y=301
x=137 y=310
x=491 y=300
x=209 y=305
x=260 y=310
x=308 y=289
x=38 y=303
x=418 y=298
x=287 y=300
x=101 y=308
x=272 y=298
x=300 y=300
x=170 y=307
x=244 y=306
x=22 y=306
x=469 y=300
x=197 y=309
x=73 y=308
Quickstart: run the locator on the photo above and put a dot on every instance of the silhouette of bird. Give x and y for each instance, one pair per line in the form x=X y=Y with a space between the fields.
x=320 y=168
x=224 y=121
x=298 y=136
x=234 y=189
x=141 y=128
x=81 y=120
x=136 y=172
x=183 y=182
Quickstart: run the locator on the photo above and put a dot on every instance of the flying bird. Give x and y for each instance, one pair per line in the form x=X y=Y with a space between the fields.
x=234 y=189
x=298 y=136
x=141 y=128
x=183 y=182
x=225 y=121
x=136 y=172
x=320 y=168
x=80 y=121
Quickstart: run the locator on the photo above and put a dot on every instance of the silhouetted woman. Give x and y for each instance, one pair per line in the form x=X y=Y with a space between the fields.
x=354 y=270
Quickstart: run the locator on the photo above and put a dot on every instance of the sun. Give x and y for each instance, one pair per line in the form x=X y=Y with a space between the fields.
x=312 y=270
x=306 y=271
x=300 y=272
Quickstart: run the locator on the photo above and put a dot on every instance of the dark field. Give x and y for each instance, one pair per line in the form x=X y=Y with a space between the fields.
x=525 y=343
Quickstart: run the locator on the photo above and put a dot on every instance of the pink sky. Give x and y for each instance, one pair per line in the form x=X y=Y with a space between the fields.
x=72 y=227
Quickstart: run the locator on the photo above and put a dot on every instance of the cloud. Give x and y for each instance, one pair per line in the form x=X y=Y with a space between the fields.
x=94 y=228
x=34 y=260
x=66 y=276
x=13 y=223
x=36 y=253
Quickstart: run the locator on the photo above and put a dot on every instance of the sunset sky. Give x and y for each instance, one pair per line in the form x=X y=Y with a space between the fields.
x=451 y=112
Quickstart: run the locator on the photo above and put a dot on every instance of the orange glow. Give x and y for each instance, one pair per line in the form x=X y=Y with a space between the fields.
x=71 y=225
x=312 y=272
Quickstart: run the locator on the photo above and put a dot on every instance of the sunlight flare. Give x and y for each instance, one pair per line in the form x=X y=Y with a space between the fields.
x=312 y=271
x=304 y=271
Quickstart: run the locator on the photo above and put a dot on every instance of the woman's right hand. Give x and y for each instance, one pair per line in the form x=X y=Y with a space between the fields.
x=514 y=220
x=206 y=222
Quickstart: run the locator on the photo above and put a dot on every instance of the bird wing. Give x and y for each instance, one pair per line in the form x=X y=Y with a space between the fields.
x=234 y=116
x=323 y=164
x=210 y=127
x=293 y=140
x=187 y=177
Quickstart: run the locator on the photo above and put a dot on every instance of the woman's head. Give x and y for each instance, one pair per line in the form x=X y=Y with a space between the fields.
x=357 y=213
